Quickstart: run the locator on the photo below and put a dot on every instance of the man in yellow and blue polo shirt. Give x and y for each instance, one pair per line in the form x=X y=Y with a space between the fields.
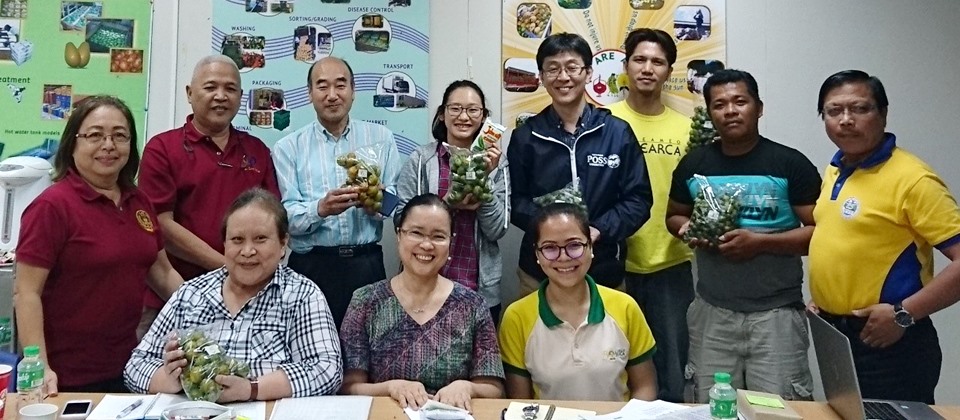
x=567 y=362
x=880 y=214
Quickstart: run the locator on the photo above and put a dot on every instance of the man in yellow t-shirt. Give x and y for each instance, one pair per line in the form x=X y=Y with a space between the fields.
x=658 y=264
x=880 y=214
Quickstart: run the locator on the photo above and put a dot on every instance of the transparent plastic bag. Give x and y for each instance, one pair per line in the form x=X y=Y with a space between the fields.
x=205 y=360
x=715 y=211
x=468 y=176
x=568 y=194
x=468 y=167
x=364 y=167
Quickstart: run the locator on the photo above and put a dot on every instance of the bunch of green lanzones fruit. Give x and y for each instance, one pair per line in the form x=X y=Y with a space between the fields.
x=206 y=360
x=710 y=221
x=702 y=132
x=468 y=176
x=567 y=194
x=366 y=177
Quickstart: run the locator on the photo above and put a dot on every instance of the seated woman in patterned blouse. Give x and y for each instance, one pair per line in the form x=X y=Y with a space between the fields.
x=420 y=336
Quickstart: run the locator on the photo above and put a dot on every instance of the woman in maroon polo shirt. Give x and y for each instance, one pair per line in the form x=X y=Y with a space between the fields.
x=89 y=246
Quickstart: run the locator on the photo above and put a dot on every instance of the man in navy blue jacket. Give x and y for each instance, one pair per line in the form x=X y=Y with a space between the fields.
x=571 y=139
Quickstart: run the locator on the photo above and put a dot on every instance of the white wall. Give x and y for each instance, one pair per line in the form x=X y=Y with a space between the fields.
x=791 y=47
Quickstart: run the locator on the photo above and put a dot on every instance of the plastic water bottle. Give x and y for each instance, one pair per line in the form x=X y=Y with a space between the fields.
x=30 y=377
x=723 y=398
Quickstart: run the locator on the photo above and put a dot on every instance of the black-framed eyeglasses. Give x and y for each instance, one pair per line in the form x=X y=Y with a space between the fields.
x=97 y=138
x=572 y=70
x=247 y=163
x=573 y=250
x=472 y=112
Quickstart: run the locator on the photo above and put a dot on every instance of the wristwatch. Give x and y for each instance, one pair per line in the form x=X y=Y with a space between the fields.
x=902 y=317
x=254 y=389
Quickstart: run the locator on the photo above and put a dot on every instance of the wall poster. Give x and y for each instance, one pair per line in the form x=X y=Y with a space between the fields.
x=274 y=42
x=698 y=27
x=54 y=53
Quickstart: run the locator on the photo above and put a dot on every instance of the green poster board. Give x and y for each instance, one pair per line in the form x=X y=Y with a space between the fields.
x=54 y=53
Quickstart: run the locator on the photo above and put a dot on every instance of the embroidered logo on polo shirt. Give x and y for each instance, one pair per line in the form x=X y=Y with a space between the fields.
x=618 y=354
x=850 y=208
x=144 y=220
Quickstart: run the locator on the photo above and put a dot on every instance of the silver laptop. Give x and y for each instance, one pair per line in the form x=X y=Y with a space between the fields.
x=840 y=380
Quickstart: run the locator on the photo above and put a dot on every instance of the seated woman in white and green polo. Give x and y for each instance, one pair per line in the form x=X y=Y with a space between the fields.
x=573 y=339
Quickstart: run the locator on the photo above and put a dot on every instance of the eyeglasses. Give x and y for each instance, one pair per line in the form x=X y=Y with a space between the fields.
x=472 y=112
x=97 y=138
x=419 y=237
x=855 y=110
x=572 y=70
x=573 y=250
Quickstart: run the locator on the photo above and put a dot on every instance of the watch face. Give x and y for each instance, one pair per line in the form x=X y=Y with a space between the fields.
x=903 y=319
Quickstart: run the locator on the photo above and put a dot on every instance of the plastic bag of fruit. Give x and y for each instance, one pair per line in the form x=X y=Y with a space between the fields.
x=364 y=169
x=570 y=194
x=205 y=360
x=468 y=167
x=716 y=210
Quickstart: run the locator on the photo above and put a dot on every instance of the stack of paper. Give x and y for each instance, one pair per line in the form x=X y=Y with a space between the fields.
x=323 y=408
x=657 y=410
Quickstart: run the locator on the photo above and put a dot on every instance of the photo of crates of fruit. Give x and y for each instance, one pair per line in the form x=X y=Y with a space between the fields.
x=106 y=34
x=16 y=9
x=126 y=60
x=74 y=14
x=57 y=101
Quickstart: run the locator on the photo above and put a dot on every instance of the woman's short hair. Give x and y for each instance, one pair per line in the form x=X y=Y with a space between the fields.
x=266 y=201
x=63 y=160
x=422 y=200
x=560 y=209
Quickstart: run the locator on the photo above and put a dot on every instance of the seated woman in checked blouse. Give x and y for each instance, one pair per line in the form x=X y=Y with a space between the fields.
x=268 y=316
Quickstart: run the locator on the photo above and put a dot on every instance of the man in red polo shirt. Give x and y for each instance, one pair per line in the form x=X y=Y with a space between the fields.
x=192 y=173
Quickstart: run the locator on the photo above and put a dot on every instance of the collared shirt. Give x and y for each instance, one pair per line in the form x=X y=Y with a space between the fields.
x=99 y=255
x=307 y=170
x=185 y=172
x=576 y=362
x=464 y=264
x=286 y=326
x=877 y=224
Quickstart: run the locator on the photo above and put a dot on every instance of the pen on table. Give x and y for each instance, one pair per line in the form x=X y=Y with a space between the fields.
x=130 y=408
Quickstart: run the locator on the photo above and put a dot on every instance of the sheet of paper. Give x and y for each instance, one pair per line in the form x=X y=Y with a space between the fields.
x=641 y=410
x=700 y=412
x=254 y=410
x=416 y=415
x=323 y=408
x=112 y=405
x=764 y=401
x=162 y=402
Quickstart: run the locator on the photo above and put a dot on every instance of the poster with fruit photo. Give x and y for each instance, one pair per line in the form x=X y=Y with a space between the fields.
x=274 y=42
x=53 y=53
x=698 y=27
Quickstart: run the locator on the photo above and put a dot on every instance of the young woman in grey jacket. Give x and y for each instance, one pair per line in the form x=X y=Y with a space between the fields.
x=475 y=259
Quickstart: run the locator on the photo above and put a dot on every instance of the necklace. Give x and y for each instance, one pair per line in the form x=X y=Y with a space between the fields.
x=410 y=296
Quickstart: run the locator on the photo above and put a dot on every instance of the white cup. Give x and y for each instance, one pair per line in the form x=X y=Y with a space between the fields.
x=39 y=412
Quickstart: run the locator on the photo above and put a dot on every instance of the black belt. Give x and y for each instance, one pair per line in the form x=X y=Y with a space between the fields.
x=844 y=322
x=346 y=251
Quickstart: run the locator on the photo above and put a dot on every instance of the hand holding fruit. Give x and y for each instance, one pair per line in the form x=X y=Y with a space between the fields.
x=364 y=180
x=235 y=388
x=205 y=362
x=167 y=379
x=337 y=201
